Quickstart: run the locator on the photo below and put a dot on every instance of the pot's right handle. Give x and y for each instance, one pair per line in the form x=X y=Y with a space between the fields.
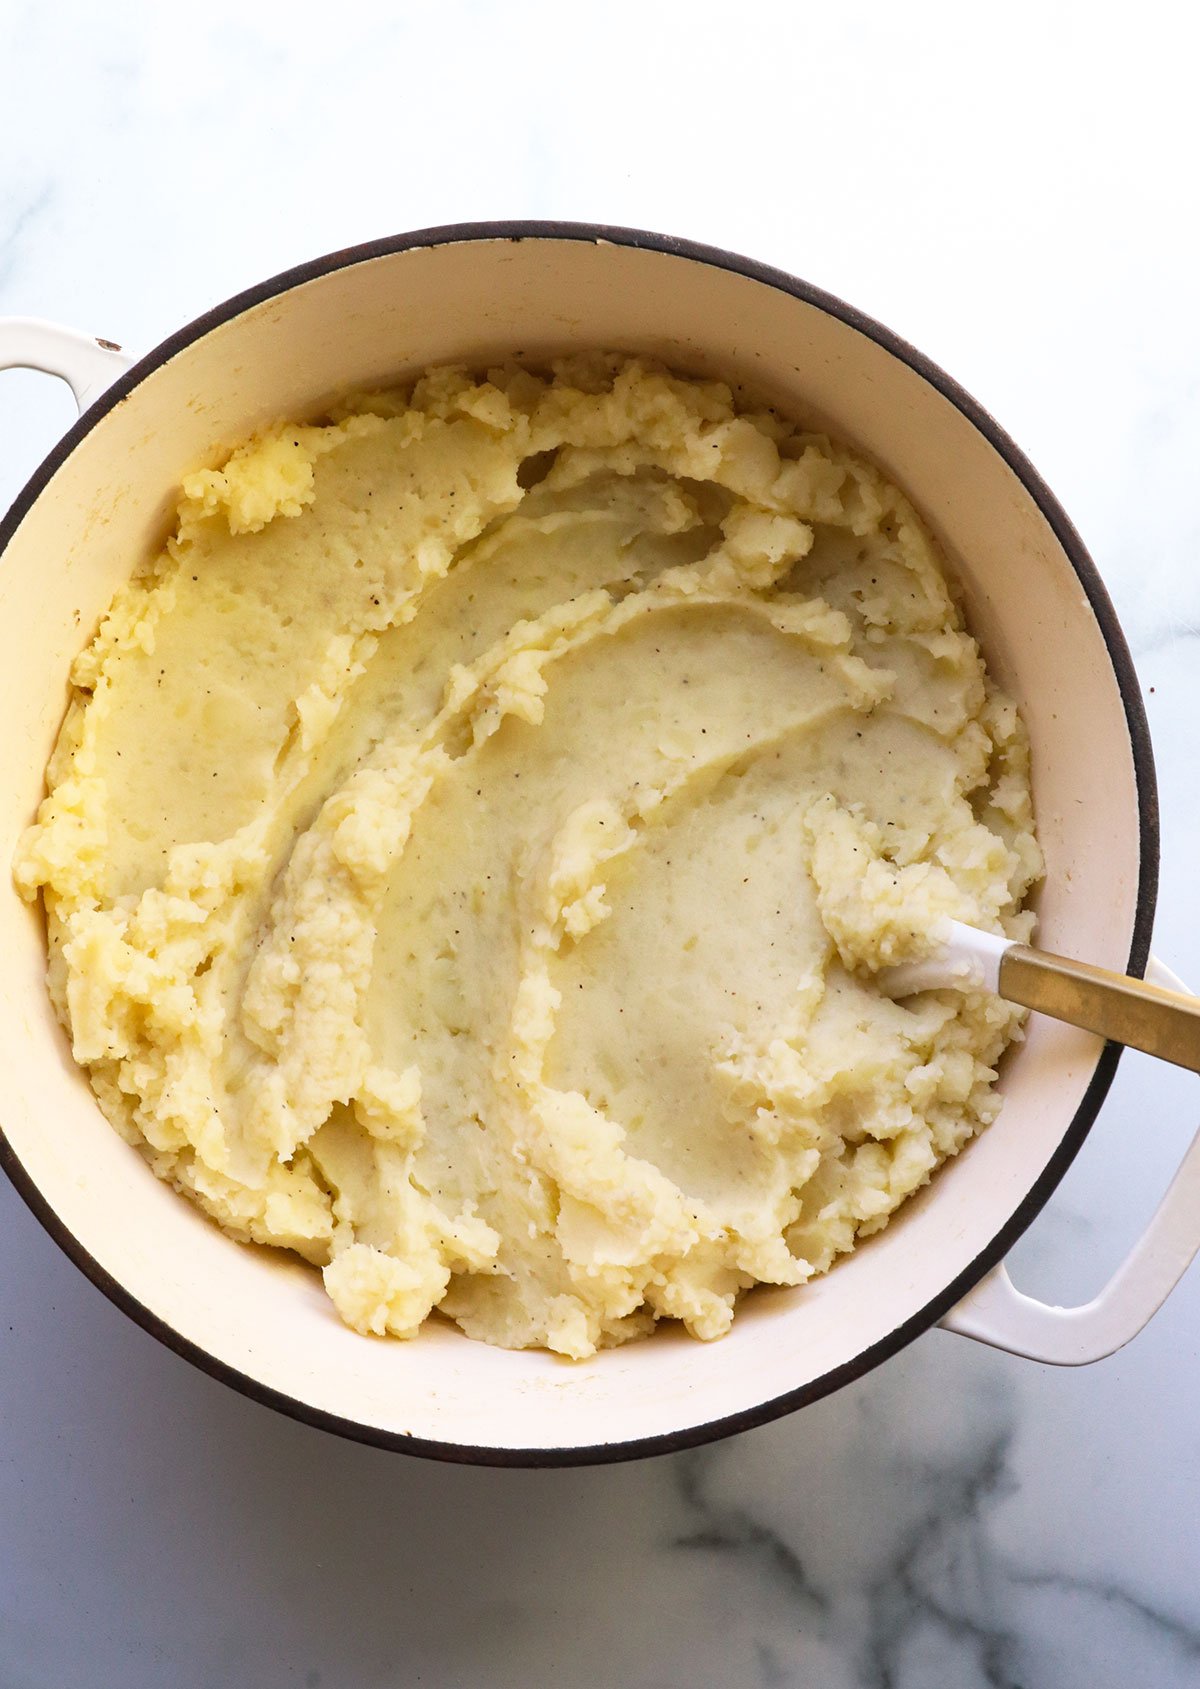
x=88 y=366
x=996 y=1312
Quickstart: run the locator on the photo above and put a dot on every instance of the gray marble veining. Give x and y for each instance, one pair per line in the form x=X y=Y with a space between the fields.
x=1016 y=193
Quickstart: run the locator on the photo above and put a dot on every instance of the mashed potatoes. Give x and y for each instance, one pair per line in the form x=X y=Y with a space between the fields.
x=470 y=843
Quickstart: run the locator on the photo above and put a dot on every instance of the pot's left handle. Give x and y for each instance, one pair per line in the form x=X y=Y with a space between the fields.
x=87 y=365
x=996 y=1312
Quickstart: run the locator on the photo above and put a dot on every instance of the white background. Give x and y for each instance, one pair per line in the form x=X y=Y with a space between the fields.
x=1014 y=190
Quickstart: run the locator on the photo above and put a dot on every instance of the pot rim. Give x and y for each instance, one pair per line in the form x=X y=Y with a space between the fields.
x=1148 y=828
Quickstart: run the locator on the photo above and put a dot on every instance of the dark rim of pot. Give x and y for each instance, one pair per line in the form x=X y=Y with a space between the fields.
x=1143 y=761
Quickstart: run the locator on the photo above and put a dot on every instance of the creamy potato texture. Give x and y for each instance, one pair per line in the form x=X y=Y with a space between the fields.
x=472 y=841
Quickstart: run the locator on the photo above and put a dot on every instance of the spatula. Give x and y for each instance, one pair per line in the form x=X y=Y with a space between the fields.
x=1145 y=1017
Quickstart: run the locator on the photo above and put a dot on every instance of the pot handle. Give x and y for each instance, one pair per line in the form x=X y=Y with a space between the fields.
x=996 y=1312
x=87 y=365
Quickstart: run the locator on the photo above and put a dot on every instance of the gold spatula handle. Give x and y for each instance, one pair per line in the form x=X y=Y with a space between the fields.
x=1145 y=1017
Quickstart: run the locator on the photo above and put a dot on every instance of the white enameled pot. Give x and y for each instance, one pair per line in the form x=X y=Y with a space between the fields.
x=476 y=294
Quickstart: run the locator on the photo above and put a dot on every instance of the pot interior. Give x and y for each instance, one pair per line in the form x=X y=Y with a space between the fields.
x=368 y=323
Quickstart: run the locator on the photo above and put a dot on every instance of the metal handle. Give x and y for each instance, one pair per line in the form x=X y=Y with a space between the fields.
x=87 y=365
x=996 y=1312
x=1148 y=1017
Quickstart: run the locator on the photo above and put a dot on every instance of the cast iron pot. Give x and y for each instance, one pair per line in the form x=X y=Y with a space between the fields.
x=476 y=294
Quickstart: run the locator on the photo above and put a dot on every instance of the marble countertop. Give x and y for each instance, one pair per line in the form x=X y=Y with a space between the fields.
x=1016 y=193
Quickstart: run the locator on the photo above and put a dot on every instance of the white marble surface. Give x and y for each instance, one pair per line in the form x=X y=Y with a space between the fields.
x=1016 y=192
